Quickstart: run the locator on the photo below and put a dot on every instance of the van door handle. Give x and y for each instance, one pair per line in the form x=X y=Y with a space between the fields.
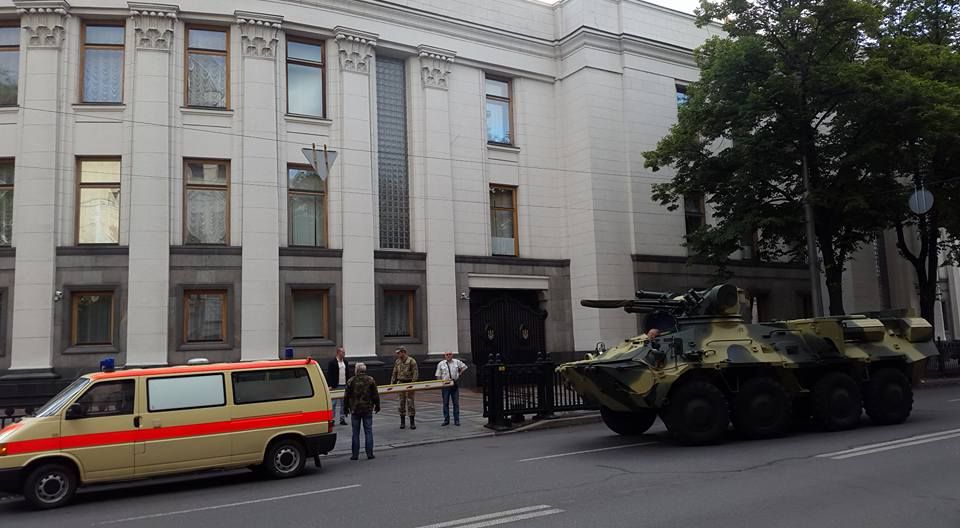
x=136 y=421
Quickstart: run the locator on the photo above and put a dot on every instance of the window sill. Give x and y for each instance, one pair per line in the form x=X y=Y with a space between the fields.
x=401 y=341
x=307 y=120
x=196 y=347
x=193 y=110
x=9 y=109
x=311 y=342
x=502 y=147
x=100 y=107
x=92 y=349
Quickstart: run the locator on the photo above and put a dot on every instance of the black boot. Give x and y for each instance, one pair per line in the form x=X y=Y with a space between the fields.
x=413 y=423
x=403 y=422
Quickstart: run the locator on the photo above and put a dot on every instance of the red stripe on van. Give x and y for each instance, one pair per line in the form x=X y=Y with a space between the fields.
x=166 y=433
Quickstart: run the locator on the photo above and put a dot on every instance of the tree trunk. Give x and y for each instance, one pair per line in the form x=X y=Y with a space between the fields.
x=834 y=279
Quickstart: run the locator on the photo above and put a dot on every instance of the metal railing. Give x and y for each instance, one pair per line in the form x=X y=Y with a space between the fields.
x=949 y=351
x=513 y=390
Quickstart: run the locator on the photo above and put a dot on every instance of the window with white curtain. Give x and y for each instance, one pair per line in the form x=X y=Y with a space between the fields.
x=205 y=316
x=398 y=313
x=9 y=64
x=98 y=201
x=305 y=78
x=6 y=202
x=208 y=67
x=306 y=208
x=102 y=63
x=206 y=202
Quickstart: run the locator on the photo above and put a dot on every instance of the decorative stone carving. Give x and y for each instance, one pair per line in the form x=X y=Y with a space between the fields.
x=356 y=49
x=435 y=66
x=153 y=25
x=259 y=34
x=45 y=21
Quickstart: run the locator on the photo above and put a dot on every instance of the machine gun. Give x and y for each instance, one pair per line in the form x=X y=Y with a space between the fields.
x=721 y=300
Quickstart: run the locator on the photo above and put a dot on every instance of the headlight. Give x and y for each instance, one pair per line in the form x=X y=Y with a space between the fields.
x=3 y=449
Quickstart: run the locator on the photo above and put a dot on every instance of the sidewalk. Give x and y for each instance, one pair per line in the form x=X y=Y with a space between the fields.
x=388 y=435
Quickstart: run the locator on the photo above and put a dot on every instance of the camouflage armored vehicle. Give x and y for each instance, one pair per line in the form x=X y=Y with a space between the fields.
x=700 y=366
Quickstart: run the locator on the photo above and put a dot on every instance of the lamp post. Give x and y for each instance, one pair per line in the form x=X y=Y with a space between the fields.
x=814 y=269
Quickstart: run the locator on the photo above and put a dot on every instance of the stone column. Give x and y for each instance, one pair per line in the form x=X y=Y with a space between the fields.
x=435 y=67
x=356 y=50
x=39 y=168
x=259 y=313
x=149 y=242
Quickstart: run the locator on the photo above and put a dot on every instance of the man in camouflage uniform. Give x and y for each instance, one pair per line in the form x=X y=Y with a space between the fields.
x=360 y=400
x=405 y=371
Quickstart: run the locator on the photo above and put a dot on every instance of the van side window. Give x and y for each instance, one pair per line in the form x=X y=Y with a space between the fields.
x=185 y=392
x=108 y=398
x=271 y=385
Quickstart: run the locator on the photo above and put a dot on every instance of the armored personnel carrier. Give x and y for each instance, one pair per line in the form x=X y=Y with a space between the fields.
x=700 y=366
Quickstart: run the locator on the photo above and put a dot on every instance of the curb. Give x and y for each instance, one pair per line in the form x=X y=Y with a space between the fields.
x=932 y=383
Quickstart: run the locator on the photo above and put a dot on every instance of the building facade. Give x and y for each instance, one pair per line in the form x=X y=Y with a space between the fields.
x=157 y=204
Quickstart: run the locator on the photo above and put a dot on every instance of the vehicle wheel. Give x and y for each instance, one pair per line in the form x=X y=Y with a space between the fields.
x=50 y=486
x=762 y=408
x=888 y=397
x=285 y=458
x=698 y=414
x=628 y=423
x=837 y=403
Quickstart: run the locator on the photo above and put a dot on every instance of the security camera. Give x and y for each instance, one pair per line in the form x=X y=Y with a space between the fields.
x=58 y=296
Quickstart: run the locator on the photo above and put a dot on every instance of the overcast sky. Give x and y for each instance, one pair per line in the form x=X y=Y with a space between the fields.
x=686 y=6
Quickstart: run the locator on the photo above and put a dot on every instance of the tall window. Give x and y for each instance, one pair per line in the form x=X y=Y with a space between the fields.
x=9 y=64
x=102 y=57
x=305 y=78
x=392 y=175
x=498 y=111
x=311 y=314
x=91 y=320
x=398 y=313
x=204 y=316
x=503 y=220
x=206 y=202
x=208 y=71
x=98 y=201
x=695 y=212
x=306 y=208
x=6 y=202
x=682 y=96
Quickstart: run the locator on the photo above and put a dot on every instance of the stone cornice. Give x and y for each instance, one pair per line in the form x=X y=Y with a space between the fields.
x=587 y=37
x=435 y=66
x=356 y=49
x=259 y=34
x=44 y=20
x=153 y=25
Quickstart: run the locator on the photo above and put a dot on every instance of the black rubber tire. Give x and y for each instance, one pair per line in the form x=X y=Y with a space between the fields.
x=837 y=402
x=698 y=413
x=762 y=408
x=50 y=485
x=628 y=423
x=888 y=397
x=284 y=458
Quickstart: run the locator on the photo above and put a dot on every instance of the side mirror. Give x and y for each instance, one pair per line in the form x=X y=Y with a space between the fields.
x=75 y=411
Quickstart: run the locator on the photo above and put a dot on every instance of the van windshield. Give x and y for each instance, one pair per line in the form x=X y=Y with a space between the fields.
x=57 y=402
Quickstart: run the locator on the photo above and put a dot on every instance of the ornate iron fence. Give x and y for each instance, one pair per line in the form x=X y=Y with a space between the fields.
x=513 y=390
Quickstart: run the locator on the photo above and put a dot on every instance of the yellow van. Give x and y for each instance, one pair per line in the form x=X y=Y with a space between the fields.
x=139 y=423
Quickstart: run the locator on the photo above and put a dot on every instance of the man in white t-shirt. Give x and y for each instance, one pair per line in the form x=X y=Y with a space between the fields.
x=337 y=377
x=451 y=368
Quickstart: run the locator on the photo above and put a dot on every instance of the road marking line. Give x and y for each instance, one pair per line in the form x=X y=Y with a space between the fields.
x=231 y=505
x=954 y=400
x=587 y=451
x=893 y=444
x=491 y=519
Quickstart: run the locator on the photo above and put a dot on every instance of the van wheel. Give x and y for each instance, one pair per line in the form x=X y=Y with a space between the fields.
x=50 y=486
x=285 y=458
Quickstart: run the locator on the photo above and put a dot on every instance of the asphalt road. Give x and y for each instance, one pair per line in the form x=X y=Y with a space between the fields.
x=906 y=475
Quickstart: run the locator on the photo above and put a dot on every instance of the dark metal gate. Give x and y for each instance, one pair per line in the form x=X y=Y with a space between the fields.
x=503 y=322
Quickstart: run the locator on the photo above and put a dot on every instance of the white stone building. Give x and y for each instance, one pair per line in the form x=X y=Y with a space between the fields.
x=488 y=177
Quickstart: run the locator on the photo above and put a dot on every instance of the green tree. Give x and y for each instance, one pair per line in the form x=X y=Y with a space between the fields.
x=765 y=102
x=908 y=108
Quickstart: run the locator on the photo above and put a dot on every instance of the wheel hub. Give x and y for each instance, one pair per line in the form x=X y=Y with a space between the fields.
x=52 y=487
x=287 y=460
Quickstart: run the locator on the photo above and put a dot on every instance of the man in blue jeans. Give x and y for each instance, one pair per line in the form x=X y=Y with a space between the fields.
x=360 y=400
x=450 y=369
